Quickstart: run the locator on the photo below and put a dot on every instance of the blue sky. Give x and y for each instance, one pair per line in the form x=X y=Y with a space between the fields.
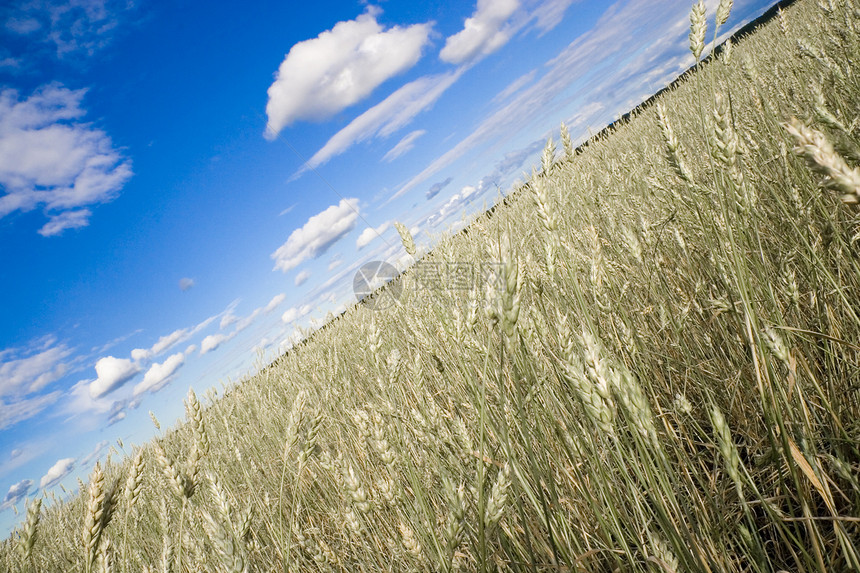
x=183 y=184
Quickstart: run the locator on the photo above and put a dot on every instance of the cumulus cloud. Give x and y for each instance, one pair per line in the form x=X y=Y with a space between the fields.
x=386 y=117
x=50 y=160
x=57 y=472
x=112 y=373
x=295 y=313
x=317 y=235
x=404 y=145
x=302 y=277
x=212 y=342
x=369 y=234
x=437 y=187
x=16 y=493
x=185 y=283
x=340 y=67
x=159 y=375
x=482 y=34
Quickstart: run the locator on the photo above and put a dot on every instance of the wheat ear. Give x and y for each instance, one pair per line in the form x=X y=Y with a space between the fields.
x=814 y=146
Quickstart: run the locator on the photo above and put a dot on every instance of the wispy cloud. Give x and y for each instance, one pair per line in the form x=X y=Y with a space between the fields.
x=602 y=54
x=49 y=159
x=35 y=367
x=385 y=118
x=483 y=33
x=73 y=28
x=340 y=67
x=14 y=411
x=547 y=14
x=24 y=376
x=177 y=337
x=404 y=145
x=317 y=235
x=94 y=453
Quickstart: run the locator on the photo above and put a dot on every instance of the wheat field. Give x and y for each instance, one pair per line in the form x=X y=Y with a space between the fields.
x=660 y=374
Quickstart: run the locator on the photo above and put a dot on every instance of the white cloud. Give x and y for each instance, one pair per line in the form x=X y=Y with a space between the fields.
x=549 y=13
x=369 y=234
x=178 y=336
x=334 y=263
x=212 y=342
x=57 y=472
x=227 y=320
x=437 y=187
x=50 y=160
x=67 y=220
x=291 y=315
x=637 y=27
x=112 y=373
x=340 y=67
x=302 y=277
x=482 y=33
x=404 y=145
x=76 y=27
x=79 y=400
x=185 y=283
x=454 y=204
x=15 y=411
x=159 y=375
x=317 y=235
x=386 y=117
x=244 y=323
x=139 y=354
x=31 y=373
x=16 y=493
x=294 y=313
x=95 y=453
x=275 y=302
